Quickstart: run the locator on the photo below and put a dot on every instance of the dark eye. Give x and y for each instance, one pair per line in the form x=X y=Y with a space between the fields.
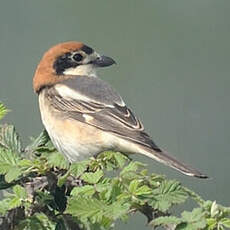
x=77 y=57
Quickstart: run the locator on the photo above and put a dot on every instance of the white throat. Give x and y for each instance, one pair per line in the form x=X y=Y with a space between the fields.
x=85 y=70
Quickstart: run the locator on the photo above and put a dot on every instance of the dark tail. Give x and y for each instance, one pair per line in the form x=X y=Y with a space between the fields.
x=168 y=160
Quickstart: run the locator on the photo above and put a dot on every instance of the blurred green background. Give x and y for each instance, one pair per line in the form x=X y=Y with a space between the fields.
x=173 y=70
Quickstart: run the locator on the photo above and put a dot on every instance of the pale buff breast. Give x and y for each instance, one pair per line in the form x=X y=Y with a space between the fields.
x=76 y=140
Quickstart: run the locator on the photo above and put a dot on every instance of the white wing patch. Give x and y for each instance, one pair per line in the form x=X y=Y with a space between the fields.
x=87 y=117
x=70 y=94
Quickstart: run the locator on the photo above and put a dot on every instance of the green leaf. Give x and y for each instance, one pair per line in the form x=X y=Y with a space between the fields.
x=120 y=159
x=13 y=174
x=38 y=221
x=192 y=220
x=211 y=223
x=78 y=168
x=4 y=168
x=20 y=192
x=15 y=200
x=214 y=209
x=44 y=198
x=25 y=163
x=225 y=222
x=169 y=193
x=136 y=189
x=143 y=190
x=117 y=210
x=110 y=160
x=110 y=189
x=4 y=205
x=41 y=140
x=92 y=177
x=87 y=190
x=84 y=208
x=133 y=186
x=8 y=164
x=14 y=203
x=3 y=110
x=165 y=220
x=132 y=167
x=8 y=157
x=9 y=138
x=62 y=179
x=95 y=209
x=57 y=159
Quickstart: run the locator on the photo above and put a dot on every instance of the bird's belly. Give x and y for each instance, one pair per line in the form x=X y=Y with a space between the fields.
x=76 y=140
x=74 y=149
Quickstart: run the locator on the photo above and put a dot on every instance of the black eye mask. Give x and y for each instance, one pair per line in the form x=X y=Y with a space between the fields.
x=64 y=62
x=87 y=49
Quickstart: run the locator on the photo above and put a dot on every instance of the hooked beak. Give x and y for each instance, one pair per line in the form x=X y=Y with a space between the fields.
x=103 y=61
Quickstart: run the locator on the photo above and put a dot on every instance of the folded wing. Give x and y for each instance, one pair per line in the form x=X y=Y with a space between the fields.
x=94 y=102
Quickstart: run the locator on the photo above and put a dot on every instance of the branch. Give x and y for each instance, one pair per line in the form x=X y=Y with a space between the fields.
x=12 y=218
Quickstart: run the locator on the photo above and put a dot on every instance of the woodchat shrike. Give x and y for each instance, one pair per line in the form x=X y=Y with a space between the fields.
x=84 y=115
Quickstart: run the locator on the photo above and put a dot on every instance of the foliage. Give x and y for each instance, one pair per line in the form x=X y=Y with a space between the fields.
x=3 y=110
x=92 y=194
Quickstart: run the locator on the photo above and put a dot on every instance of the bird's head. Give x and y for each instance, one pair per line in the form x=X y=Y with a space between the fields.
x=66 y=60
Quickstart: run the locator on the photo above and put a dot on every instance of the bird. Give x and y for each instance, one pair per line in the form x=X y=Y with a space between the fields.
x=84 y=115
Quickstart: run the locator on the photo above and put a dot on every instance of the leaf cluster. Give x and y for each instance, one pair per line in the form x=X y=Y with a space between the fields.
x=93 y=194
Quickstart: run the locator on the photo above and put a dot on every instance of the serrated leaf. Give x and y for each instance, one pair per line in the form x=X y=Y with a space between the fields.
x=14 y=203
x=44 y=198
x=38 y=221
x=62 y=179
x=77 y=168
x=168 y=193
x=117 y=210
x=106 y=192
x=3 y=110
x=165 y=220
x=84 y=208
x=193 y=220
x=25 y=163
x=121 y=159
x=20 y=192
x=8 y=157
x=57 y=159
x=9 y=138
x=133 y=186
x=211 y=223
x=193 y=216
x=225 y=222
x=143 y=190
x=4 y=205
x=41 y=140
x=92 y=177
x=4 y=167
x=13 y=174
x=86 y=190
x=132 y=167
x=96 y=209
x=8 y=165
x=113 y=159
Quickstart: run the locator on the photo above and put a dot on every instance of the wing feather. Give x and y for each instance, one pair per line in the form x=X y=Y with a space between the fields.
x=109 y=113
